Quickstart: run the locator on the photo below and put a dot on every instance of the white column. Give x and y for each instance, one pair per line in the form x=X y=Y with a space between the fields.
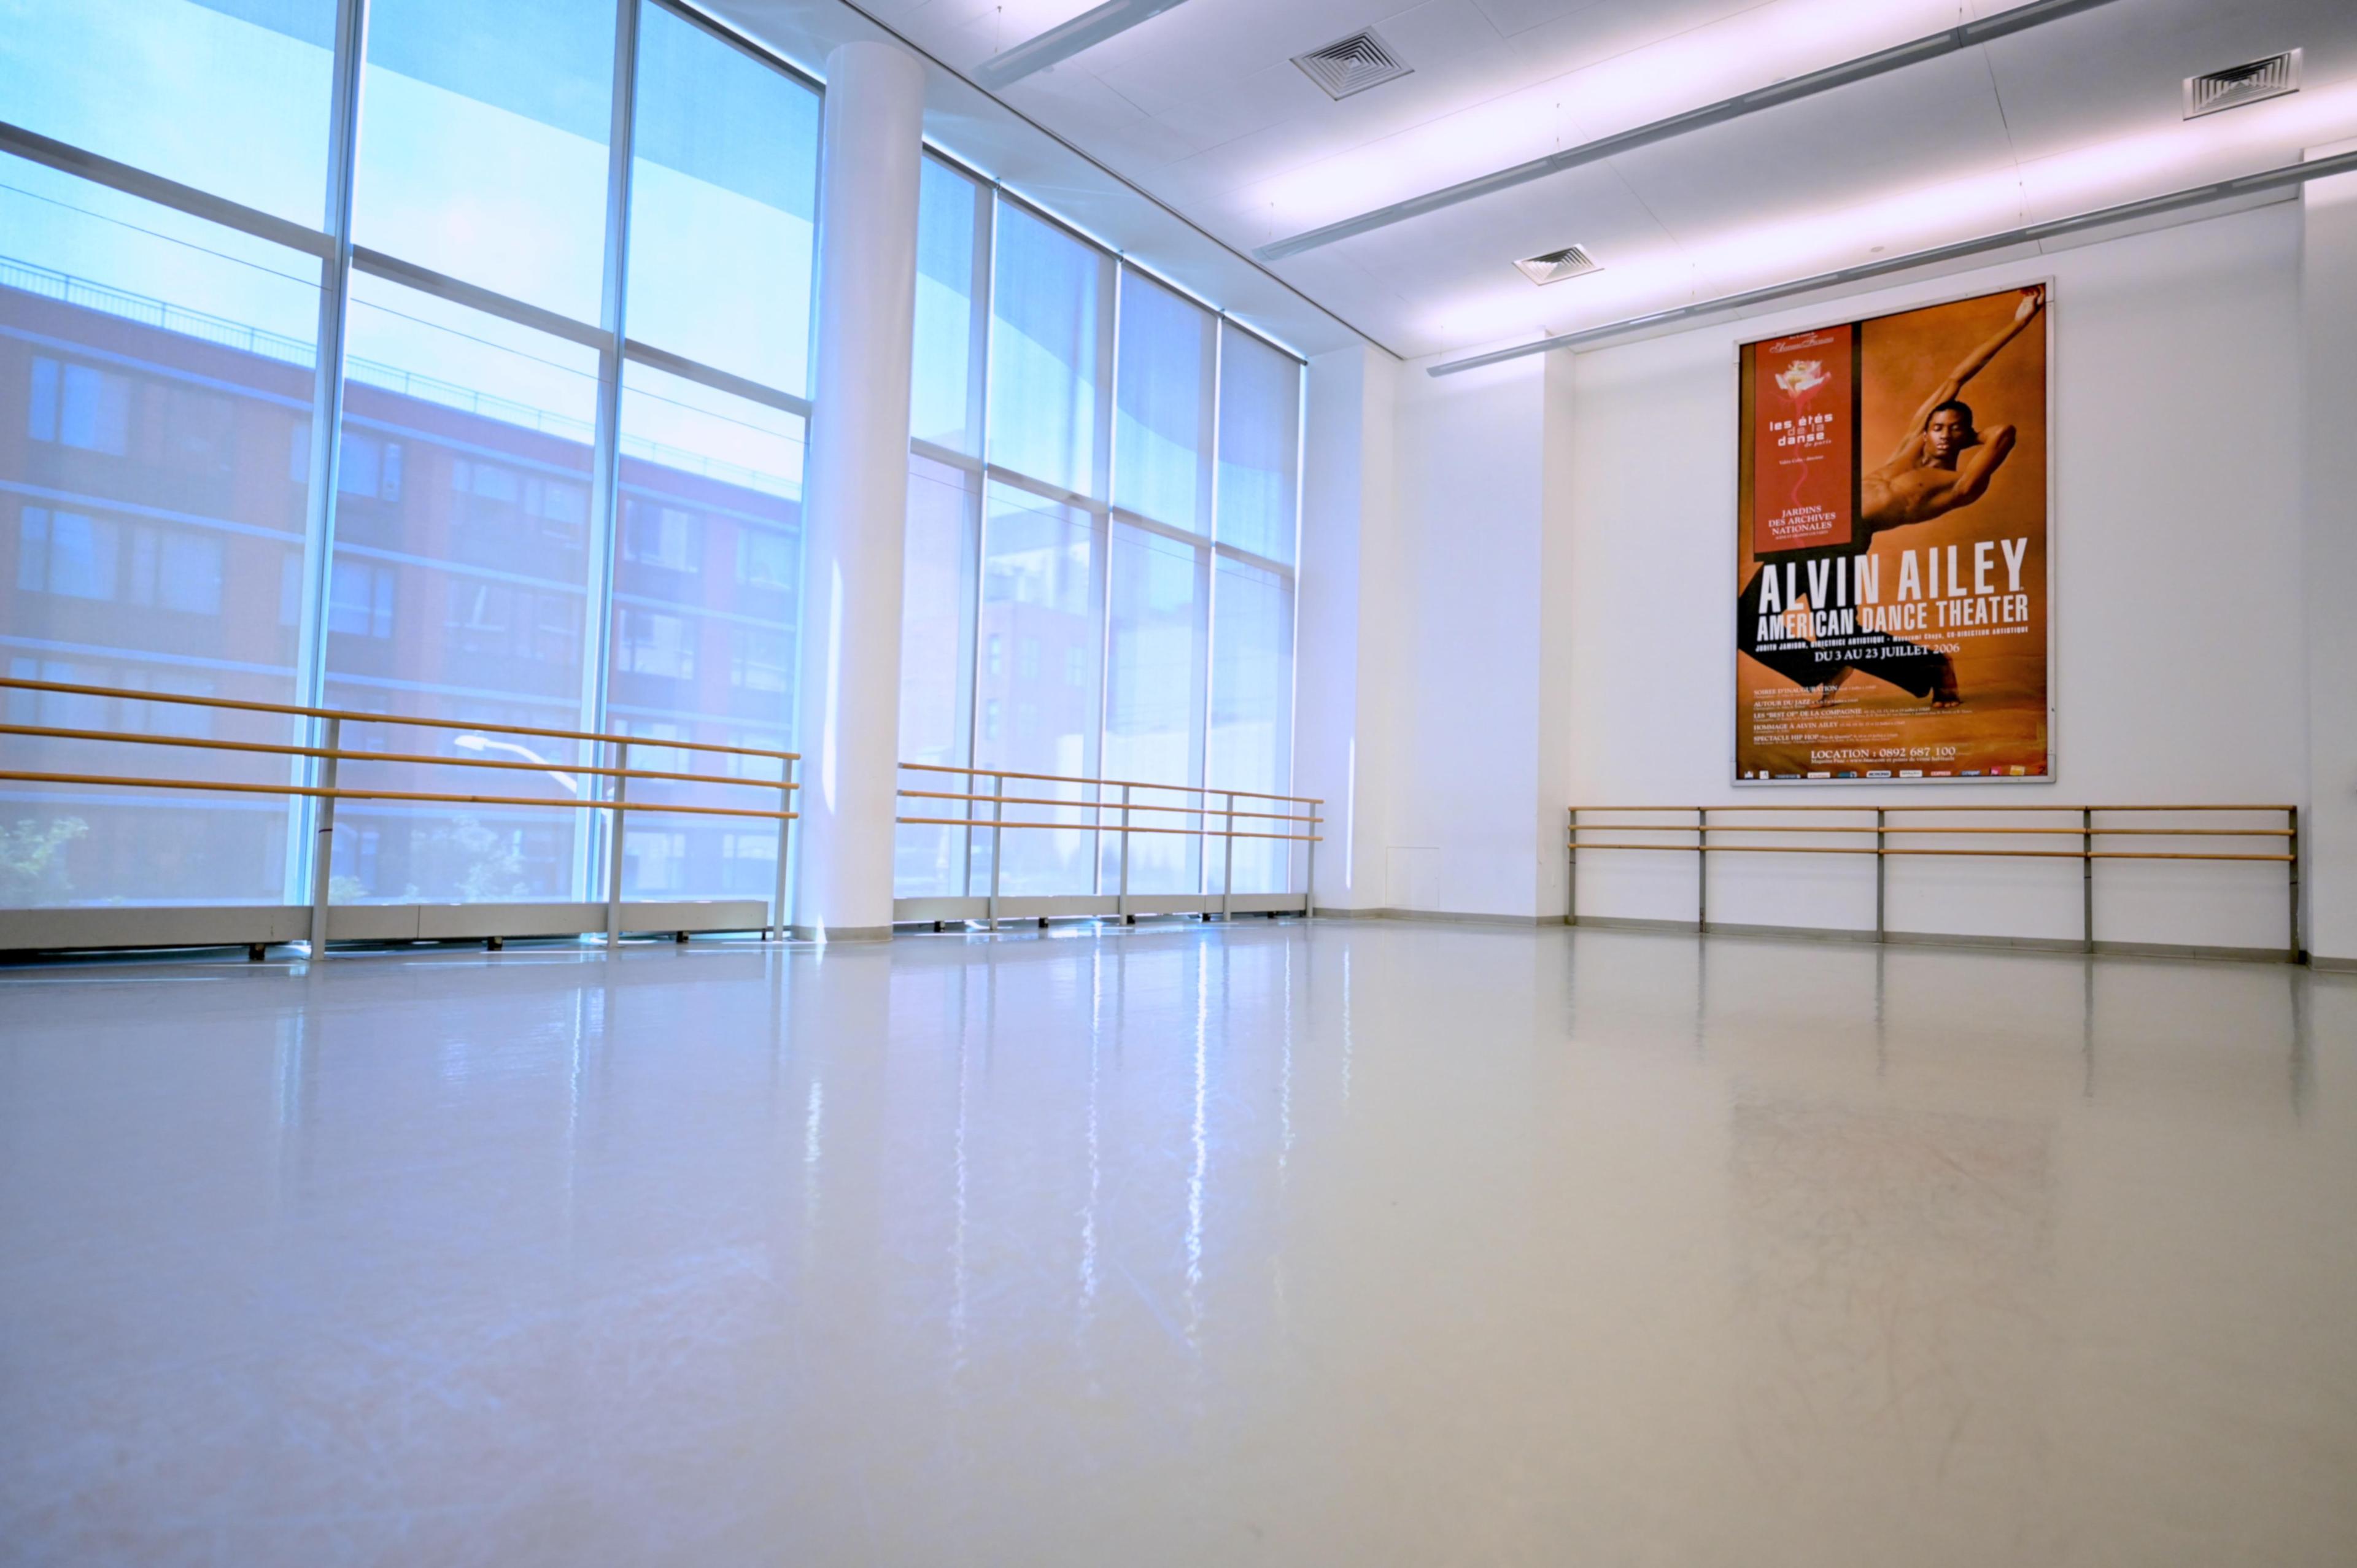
x=2327 y=287
x=1557 y=432
x=1347 y=628
x=855 y=501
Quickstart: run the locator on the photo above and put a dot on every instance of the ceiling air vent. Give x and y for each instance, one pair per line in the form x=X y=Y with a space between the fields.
x=1557 y=266
x=1352 y=64
x=2239 y=84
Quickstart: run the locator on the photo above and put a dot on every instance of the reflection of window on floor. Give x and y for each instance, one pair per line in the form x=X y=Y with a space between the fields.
x=992 y=662
x=368 y=466
x=764 y=559
x=662 y=536
x=759 y=660
x=79 y=406
x=990 y=719
x=658 y=859
x=652 y=643
x=360 y=599
x=82 y=557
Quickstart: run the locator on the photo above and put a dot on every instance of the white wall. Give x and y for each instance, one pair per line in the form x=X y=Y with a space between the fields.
x=2329 y=329
x=1345 y=665
x=1566 y=536
x=1469 y=464
x=2177 y=637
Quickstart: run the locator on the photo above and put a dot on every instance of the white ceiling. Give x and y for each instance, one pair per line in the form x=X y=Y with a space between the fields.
x=1201 y=109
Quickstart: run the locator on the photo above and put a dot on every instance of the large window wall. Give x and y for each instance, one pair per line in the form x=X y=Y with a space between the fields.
x=1103 y=483
x=436 y=358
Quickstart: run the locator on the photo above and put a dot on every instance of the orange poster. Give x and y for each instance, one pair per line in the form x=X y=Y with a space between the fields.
x=1893 y=621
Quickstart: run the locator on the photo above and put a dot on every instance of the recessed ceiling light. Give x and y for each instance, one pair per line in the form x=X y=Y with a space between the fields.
x=1571 y=261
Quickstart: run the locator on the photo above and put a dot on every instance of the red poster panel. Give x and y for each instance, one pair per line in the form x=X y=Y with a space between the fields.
x=1804 y=442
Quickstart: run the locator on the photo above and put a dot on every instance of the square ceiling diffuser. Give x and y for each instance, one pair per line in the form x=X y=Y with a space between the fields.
x=1352 y=65
x=2252 y=82
x=1570 y=262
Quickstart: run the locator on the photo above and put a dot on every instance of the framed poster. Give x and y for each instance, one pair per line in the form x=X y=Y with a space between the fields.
x=1892 y=502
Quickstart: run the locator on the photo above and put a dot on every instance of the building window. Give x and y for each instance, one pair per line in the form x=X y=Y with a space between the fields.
x=80 y=406
x=662 y=536
x=163 y=400
x=1124 y=548
x=656 y=644
x=360 y=599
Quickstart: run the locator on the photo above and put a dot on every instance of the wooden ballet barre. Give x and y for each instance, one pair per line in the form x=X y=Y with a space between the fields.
x=1093 y=827
x=1714 y=834
x=1130 y=783
x=1100 y=804
x=325 y=792
x=356 y=715
x=332 y=754
x=421 y=760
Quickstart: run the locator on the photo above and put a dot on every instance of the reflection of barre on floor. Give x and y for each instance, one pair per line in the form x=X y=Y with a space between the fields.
x=2274 y=845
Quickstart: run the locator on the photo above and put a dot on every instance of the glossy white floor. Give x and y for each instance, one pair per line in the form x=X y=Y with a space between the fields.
x=1348 y=1245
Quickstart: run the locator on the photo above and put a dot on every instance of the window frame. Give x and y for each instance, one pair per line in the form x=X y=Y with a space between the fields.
x=981 y=473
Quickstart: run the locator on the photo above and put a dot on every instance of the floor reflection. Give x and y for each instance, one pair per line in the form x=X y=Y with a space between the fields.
x=1346 y=1242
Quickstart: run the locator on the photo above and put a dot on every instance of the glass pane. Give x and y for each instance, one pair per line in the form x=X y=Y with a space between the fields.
x=155 y=394
x=1153 y=700
x=231 y=96
x=1260 y=429
x=1037 y=682
x=936 y=659
x=483 y=144
x=1163 y=421
x=707 y=584
x=1045 y=305
x=1252 y=713
x=458 y=591
x=941 y=397
x=722 y=201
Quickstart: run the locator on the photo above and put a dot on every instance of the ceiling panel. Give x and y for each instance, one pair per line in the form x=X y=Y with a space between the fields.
x=1934 y=122
x=1200 y=108
x=2087 y=78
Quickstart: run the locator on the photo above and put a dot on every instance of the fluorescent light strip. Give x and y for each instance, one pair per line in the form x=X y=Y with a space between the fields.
x=2021 y=18
x=2286 y=176
x=1066 y=39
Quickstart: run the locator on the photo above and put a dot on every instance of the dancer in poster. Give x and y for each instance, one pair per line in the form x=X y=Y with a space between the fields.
x=1944 y=464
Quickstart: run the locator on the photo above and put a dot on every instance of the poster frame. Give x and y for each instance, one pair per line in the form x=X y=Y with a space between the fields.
x=1734 y=587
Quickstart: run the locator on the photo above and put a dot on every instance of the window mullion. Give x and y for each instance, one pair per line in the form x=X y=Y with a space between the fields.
x=327 y=417
x=604 y=463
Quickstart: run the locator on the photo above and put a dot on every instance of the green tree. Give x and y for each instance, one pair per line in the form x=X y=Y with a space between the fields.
x=33 y=860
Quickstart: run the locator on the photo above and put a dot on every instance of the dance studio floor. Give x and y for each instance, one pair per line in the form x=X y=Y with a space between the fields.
x=1341 y=1244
